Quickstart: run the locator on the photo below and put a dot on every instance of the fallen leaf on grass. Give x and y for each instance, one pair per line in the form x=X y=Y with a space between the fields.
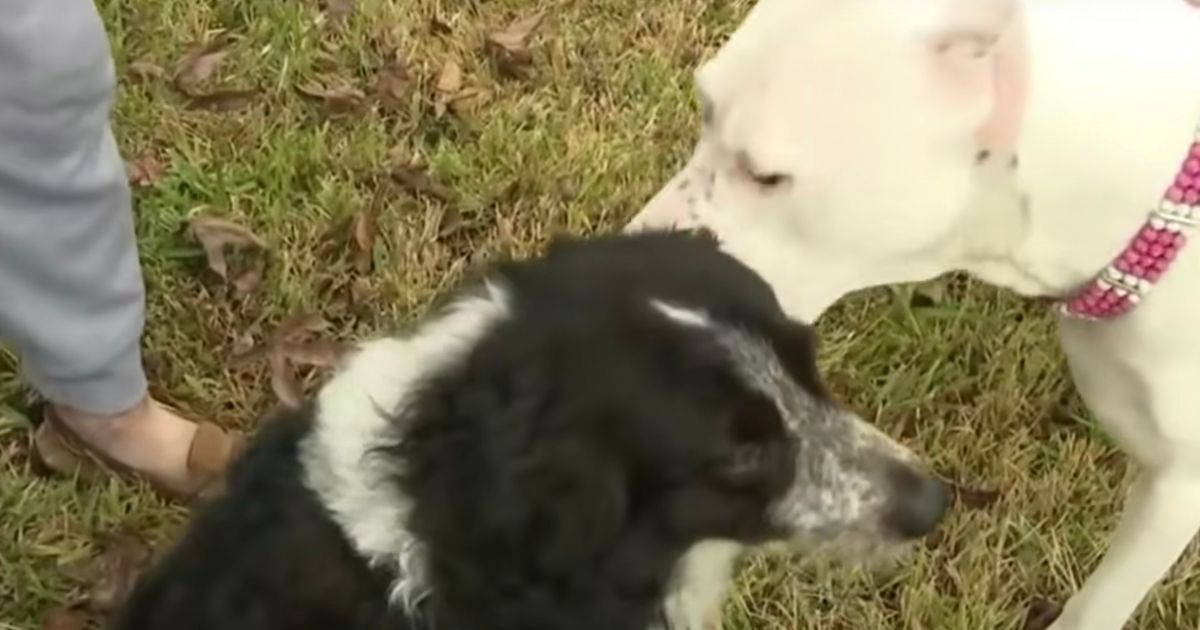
x=449 y=83
x=419 y=182
x=336 y=11
x=363 y=230
x=146 y=71
x=249 y=280
x=222 y=100
x=975 y=499
x=291 y=346
x=144 y=171
x=200 y=63
x=509 y=48
x=110 y=576
x=1042 y=613
x=214 y=235
x=450 y=222
x=337 y=101
x=450 y=78
x=320 y=353
x=69 y=617
x=283 y=382
x=392 y=83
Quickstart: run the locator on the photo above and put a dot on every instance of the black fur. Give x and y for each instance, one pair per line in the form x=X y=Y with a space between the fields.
x=557 y=472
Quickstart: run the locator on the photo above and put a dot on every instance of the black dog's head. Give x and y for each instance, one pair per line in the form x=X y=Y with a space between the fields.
x=627 y=398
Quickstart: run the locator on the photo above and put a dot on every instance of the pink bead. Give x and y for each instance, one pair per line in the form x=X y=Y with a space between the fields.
x=1122 y=265
x=1142 y=245
x=1139 y=270
x=1160 y=265
x=1166 y=238
x=1192 y=166
x=1180 y=240
x=1131 y=257
x=1196 y=150
x=1157 y=250
x=1154 y=274
x=1192 y=196
x=1184 y=181
x=1175 y=195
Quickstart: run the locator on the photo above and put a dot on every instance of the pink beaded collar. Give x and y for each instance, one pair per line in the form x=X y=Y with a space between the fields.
x=1127 y=280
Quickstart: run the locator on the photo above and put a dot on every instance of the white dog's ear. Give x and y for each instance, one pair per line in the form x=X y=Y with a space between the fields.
x=967 y=40
x=970 y=29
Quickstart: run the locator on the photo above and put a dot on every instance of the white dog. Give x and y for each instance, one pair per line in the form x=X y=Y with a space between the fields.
x=1049 y=146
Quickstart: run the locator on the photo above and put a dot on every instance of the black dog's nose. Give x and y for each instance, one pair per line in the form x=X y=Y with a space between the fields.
x=918 y=502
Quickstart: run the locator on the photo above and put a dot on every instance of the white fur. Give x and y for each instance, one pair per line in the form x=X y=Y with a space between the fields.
x=353 y=416
x=876 y=134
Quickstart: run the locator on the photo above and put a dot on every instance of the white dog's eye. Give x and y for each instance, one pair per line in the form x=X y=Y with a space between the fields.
x=770 y=180
x=764 y=179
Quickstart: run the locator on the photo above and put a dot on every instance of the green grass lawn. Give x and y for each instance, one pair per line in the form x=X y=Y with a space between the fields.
x=574 y=142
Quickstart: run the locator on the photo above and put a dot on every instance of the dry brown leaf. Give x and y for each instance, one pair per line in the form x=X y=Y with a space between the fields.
x=450 y=78
x=200 y=63
x=336 y=11
x=69 y=617
x=321 y=353
x=516 y=35
x=975 y=499
x=250 y=280
x=146 y=71
x=299 y=327
x=214 y=235
x=392 y=83
x=363 y=230
x=223 y=100
x=450 y=222
x=419 y=182
x=283 y=381
x=144 y=171
x=337 y=101
x=289 y=345
x=110 y=576
x=509 y=48
x=470 y=99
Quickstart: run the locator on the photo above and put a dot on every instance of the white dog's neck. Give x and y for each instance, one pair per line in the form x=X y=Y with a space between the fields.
x=1052 y=223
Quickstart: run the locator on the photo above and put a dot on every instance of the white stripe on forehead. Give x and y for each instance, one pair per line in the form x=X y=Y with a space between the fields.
x=753 y=357
x=686 y=316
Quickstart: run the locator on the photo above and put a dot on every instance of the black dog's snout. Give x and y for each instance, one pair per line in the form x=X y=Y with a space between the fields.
x=918 y=501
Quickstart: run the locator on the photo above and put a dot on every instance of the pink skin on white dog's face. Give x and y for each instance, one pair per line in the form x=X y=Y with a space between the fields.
x=838 y=135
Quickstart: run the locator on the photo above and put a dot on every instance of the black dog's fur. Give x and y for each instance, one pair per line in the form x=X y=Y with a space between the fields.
x=556 y=472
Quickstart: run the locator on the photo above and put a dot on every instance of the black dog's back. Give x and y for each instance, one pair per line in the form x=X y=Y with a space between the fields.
x=264 y=557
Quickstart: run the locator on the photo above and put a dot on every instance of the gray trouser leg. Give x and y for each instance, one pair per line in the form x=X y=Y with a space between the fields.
x=71 y=294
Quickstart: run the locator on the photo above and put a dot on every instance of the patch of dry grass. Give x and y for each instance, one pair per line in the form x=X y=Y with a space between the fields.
x=973 y=379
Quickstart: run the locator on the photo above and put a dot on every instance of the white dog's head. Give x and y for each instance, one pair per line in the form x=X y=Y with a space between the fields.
x=840 y=137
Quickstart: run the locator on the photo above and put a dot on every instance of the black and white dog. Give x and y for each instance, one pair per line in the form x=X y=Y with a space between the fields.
x=558 y=448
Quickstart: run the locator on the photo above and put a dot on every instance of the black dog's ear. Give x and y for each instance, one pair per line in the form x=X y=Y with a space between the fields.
x=796 y=346
x=576 y=499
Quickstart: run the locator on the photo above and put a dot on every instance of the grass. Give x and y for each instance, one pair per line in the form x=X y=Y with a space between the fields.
x=972 y=379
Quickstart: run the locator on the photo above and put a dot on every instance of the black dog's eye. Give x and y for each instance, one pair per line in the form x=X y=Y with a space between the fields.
x=745 y=460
